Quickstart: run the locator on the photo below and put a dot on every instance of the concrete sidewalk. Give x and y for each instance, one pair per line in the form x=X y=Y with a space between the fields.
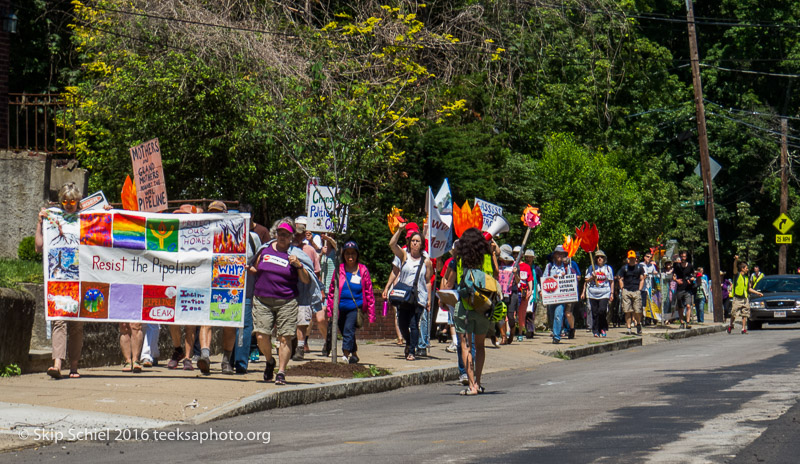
x=105 y=397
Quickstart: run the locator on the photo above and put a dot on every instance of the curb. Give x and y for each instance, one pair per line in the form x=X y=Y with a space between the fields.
x=588 y=350
x=307 y=394
x=686 y=333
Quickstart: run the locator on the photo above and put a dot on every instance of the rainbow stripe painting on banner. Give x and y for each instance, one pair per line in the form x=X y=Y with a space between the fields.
x=131 y=266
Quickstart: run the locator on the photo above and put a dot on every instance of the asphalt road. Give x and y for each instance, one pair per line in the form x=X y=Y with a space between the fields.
x=703 y=399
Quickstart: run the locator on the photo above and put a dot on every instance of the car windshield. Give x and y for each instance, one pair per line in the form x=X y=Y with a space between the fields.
x=777 y=284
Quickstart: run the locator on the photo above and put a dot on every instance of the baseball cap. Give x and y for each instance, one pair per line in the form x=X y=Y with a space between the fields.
x=631 y=254
x=350 y=245
x=411 y=228
x=530 y=252
x=217 y=207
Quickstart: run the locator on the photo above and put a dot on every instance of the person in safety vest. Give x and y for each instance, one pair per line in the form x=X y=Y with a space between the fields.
x=741 y=294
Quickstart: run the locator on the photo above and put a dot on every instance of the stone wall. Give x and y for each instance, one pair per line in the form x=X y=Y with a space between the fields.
x=16 y=320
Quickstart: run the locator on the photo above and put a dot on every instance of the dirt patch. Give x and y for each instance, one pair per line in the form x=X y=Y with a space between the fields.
x=339 y=370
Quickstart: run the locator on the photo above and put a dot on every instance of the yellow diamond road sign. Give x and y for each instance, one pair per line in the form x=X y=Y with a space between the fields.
x=783 y=223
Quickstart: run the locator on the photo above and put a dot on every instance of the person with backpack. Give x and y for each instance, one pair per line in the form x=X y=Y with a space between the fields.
x=599 y=279
x=557 y=267
x=412 y=289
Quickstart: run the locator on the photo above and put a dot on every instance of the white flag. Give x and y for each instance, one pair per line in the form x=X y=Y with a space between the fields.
x=438 y=235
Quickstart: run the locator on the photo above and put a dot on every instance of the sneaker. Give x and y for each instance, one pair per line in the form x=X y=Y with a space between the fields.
x=147 y=363
x=464 y=379
x=204 y=364
x=353 y=359
x=452 y=348
x=520 y=338
x=269 y=370
x=729 y=329
x=187 y=365
x=177 y=355
x=639 y=329
x=596 y=336
x=744 y=331
x=298 y=355
x=195 y=358
x=280 y=379
x=556 y=341
x=254 y=356
x=227 y=369
x=422 y=352
x=688 y=326
x=683 y=326
x=571 y=334
x=345 y=359
x=629 y=332
x=602 y=333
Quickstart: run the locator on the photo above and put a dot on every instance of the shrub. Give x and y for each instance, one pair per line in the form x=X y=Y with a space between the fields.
x=27 y=250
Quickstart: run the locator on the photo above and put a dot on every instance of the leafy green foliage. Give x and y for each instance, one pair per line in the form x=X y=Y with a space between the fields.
x=27 y=250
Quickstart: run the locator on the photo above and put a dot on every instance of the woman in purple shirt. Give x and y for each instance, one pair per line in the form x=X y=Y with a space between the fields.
x=277 y=271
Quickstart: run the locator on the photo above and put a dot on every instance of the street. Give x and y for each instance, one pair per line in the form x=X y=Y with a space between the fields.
x=704 y=399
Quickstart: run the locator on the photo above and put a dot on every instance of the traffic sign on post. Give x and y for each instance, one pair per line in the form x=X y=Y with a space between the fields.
x=783 y=224
x=783 y=239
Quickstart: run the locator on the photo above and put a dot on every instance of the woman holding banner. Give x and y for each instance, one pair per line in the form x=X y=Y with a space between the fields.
x=68 y=197
x=414 y=285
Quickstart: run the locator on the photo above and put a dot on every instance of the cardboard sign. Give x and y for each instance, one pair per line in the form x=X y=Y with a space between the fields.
x=130 y=266
x=151 y=192
x=559 y=289
x=94 y=202
x=320 y=203
x=489 y=211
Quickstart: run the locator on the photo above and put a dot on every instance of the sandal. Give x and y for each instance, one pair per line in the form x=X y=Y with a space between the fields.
x=467 y=392
x=74 y=375
x=126 y=367
x=480 y=389
x=400 y=342
x=137 y=368
x=54 y=373
x=410 y=358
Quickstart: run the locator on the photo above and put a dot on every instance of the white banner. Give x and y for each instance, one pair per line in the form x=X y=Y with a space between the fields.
x=131 y=266
x=489 y=211
x=559 y=289
x=438 y=234
x=320 y=203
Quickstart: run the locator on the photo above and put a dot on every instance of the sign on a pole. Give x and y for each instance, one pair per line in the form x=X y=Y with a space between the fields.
x=783 y=239
x=715 y=168
x=783 y=223
x=559 y=289
x=320 y=204
x=489 y=211
x=151 y=191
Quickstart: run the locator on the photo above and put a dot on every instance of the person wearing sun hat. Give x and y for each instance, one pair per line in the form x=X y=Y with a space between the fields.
x=599 y=280
x=558 y=267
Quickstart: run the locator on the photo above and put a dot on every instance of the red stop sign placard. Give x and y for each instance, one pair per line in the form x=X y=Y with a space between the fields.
x=550 y=285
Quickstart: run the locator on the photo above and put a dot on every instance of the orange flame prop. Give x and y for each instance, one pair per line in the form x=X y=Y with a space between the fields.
x=571 y=246
x=394 y=219
x=129 y=195
x=588 y=237
x=465 y=218
x=530 y=217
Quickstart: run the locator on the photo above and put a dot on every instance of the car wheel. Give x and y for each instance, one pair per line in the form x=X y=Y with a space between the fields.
x=754 y=325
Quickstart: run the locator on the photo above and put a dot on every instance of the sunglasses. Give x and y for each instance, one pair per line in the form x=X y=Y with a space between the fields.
x=69 y=202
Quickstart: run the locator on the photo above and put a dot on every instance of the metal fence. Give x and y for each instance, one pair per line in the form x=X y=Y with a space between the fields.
x=43 y=123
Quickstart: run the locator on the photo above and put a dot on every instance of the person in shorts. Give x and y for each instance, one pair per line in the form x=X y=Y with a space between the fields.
x=685 y=276
x=742 y=288
x=631 y=277
x=277 y=272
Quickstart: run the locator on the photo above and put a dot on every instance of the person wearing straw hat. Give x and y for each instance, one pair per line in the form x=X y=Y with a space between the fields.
x=558 y=267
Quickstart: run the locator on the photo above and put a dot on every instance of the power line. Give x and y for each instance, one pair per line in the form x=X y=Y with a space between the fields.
x=745 y=71
x=773 y=115
x=739 y=121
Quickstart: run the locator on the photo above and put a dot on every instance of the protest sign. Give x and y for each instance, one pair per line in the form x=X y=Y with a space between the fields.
x=438 y=234
x=94 y=202
x=559 y=289
x=320 y=203
x=120 y=266
x=151 y=191
x=489 y=211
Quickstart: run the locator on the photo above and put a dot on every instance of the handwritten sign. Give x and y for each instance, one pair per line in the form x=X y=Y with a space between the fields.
x=151 y=192
x=126 y=266
x=320 y=204
x=559 y=289
x=489 y=211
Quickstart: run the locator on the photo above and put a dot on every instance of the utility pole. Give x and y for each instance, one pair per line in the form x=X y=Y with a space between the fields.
x=784 y=191
x=705 y=166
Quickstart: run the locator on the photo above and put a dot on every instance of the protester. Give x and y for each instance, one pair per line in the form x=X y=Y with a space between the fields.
x=278 y=271
x=701 y=294
x=726 y=285
x=535 y=307
x=559 y=267
x=650 y=278
x=243 y=348
x=410 y=228
x=521 y=291
x=599 y=278
x=756 y=276
x=327 y=265
x=412 y=263
x=130 y=341
x=684 y=276
x=505 y=274
x=67 y=337
x=742 y=289
x=355 y=294
x=150 y=351
x=473 y=253
x=631 y=276
x=304 y=312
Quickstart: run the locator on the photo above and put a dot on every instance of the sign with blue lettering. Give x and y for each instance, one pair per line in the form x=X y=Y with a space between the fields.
x=323 y=211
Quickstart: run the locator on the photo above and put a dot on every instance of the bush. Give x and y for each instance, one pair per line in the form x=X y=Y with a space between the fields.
x=27 y=250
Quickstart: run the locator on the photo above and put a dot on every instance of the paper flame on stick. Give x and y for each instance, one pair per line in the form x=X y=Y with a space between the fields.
x=465 y=218
x=571 y=246
x=588 y=237
x=530 y=217
x=129 y=195
x=394 y=219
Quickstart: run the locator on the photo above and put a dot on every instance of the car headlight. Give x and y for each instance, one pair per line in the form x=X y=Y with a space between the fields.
x=756 y=305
